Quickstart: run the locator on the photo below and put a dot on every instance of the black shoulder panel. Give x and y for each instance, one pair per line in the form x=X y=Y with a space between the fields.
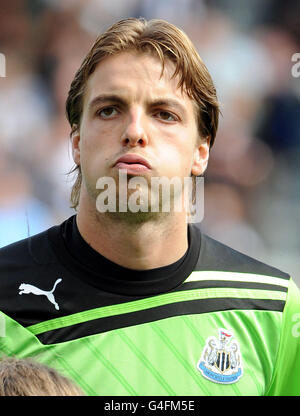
x=215 y=256
x=32 y=250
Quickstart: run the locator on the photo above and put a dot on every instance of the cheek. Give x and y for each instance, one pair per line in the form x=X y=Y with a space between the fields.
x=179 y=154
x=177 y=161
x=97 y=142
x=92 y=159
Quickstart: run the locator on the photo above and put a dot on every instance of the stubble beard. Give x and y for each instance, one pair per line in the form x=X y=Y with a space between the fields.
x=125 y=216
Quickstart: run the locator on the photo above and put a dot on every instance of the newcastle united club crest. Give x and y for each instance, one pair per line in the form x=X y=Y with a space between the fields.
x=221 y=359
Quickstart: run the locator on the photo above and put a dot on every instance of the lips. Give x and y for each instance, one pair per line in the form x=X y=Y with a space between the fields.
x=132 y=161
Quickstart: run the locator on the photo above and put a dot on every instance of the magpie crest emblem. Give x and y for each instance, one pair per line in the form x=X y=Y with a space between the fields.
x=221 y=361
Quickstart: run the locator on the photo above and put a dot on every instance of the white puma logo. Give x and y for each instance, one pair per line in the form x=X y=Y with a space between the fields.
x=26 y=288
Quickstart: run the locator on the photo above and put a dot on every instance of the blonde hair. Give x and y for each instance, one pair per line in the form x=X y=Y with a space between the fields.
x=167 y=42
x=26 y=377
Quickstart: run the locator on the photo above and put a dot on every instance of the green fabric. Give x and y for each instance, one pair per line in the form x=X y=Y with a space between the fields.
x=286 y=377
x=152 y=302
x=160 y=358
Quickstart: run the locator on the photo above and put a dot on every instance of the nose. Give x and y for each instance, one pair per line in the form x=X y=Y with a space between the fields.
x=134 y=133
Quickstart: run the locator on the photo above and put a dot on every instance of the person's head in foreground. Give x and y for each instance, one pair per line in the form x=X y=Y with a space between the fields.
x=27 y=377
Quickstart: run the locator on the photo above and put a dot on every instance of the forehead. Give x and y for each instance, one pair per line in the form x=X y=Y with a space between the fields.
x=137 y=74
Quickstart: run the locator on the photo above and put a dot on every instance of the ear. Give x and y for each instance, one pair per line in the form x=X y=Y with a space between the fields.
x=75 y=140
x=201 y=156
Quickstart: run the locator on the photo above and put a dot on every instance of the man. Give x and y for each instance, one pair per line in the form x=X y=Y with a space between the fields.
x=138 y=302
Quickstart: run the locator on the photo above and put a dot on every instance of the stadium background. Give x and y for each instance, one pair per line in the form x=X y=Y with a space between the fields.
x=252 y=194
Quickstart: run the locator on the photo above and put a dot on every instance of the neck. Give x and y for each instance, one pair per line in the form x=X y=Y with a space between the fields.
x=147 y=245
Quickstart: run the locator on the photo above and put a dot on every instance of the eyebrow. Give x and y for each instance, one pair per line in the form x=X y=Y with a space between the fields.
x=160 y=101
x=103 y=98
x=169 y=102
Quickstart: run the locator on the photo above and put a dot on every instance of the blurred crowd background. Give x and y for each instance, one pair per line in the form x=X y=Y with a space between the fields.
x=252 y=194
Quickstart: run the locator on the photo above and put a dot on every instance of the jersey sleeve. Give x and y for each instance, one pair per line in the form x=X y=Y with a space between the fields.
x=286 y=376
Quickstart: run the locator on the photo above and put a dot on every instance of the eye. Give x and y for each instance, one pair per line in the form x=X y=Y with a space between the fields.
x=166 y=116
x=107 y=112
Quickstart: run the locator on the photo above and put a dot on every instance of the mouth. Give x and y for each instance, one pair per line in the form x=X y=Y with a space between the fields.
x=132 y=163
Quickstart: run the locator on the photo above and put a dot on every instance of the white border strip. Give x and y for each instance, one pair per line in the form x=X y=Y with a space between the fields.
x=236 y=277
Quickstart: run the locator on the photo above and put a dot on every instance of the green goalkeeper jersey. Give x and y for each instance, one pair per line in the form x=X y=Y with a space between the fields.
x=216 y=322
